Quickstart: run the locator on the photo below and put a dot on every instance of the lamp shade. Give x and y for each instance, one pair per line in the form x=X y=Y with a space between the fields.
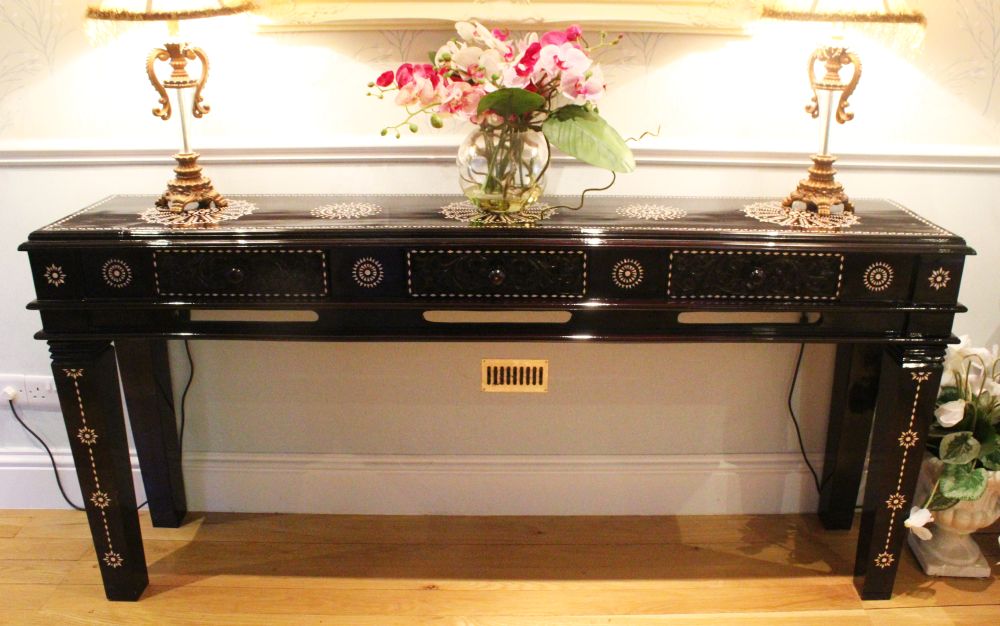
x=846 y=11
x=164 y=10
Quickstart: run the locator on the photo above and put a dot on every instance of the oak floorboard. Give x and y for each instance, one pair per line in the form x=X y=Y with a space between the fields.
x=207 y=563
x=116 y=615
x=42 y=572
x=681 y=597
x=24 y=597
x=19 y=548
x=937 y=616
x=430 y=529
x=252 y=570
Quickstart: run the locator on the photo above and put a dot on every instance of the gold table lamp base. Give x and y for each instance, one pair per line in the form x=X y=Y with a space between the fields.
x=190 y=187
x=820 y=192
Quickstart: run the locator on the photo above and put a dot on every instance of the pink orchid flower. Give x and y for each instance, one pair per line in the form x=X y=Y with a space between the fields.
x=526 y=66
x=559 y=37
x=462 y=99
x=565 y=59
x=418 y=85
x=587 y=88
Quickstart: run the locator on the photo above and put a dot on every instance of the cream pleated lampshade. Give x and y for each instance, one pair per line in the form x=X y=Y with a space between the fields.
x=157 y=10
x=848 y=11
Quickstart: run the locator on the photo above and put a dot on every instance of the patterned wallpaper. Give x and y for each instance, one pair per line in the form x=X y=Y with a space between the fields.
x=58 y=89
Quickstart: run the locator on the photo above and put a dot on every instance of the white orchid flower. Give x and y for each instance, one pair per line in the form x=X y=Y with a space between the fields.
x=466 y=56
x=467 y=31
x=950 y=413
x=474 y=32
x=918 y=519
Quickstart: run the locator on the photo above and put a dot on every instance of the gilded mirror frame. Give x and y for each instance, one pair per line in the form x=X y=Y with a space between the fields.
x=686 y=16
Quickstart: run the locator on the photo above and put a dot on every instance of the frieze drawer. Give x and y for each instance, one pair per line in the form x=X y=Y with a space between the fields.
x=753 y=275
x=496 y=273
x=263 y=273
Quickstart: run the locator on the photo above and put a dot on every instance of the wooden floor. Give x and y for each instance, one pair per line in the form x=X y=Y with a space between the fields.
x=472 y=571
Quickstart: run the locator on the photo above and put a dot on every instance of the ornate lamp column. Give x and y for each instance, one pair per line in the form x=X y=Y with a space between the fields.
x=820 y=192
x=189 y=188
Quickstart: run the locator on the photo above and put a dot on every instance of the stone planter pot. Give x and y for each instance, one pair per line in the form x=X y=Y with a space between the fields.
x=952 y=552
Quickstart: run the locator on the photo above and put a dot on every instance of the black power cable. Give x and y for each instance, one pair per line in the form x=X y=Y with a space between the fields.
x=187 y=388
x=180 y=445
x=48 y=451
x=795 y=420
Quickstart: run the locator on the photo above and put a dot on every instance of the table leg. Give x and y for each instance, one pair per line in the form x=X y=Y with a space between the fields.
x=852 y=405
x=145 y=372
x=87 y=383
x=907 y=394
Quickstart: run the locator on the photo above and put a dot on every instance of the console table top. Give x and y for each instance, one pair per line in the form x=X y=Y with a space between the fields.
x=121 y=217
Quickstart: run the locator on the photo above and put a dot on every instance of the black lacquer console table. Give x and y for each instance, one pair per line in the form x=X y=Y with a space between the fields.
x=116 y=280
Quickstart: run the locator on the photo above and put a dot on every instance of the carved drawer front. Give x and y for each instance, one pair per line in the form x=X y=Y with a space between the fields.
x=263 y=273
x=753 y=275
x=496 y=273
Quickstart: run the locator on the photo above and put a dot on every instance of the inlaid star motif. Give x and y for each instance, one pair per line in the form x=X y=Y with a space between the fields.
x=100 y=499
x=54 y=275
x=73 y=373
x=884 y=560
x=908 y=439
x=87 y=436
x=113 y=559
x=921 y=377
x=939 y=278
x=896 y=501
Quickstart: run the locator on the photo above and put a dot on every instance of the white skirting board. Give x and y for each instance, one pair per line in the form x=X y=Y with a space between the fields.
x=454 y=485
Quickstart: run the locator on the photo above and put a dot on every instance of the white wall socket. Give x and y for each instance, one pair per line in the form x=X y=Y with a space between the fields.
x=37 y=393
x=41 y=392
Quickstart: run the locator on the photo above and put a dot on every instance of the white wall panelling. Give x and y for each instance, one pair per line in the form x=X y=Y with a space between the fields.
x=403 y=427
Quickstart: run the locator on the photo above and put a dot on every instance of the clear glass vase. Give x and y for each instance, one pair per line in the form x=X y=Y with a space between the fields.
x=502 y=168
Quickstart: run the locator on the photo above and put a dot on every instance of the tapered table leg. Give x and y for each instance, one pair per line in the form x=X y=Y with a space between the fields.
x=145 y=372
x=87 y=383
x=852 y=406
x=907 y=392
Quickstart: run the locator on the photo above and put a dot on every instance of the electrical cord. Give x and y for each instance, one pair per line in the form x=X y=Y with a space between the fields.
x=795 y=421
x=55 y=469
x=166 y=396
x=187 y=388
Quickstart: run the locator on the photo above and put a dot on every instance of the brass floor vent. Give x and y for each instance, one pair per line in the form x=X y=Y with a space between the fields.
x=515 y=375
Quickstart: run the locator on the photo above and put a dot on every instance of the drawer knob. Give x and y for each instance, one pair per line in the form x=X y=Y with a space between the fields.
x=235 y=275
x=497 y=276
x=756 y=279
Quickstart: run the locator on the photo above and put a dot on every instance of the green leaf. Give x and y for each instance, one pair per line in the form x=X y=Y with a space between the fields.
x=941 y=502
x=987 y=436
x=511 y=101
x=586 y=136
x=948 y=394
x=959 y=448
x=962 y=482
x=991 y=461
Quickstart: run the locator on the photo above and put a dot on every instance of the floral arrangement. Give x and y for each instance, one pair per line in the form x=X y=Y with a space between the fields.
x=508 y=87
x=964 y=436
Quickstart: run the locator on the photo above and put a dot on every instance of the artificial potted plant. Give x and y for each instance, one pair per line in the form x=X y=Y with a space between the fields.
x=523 y=94
x=959 y=484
